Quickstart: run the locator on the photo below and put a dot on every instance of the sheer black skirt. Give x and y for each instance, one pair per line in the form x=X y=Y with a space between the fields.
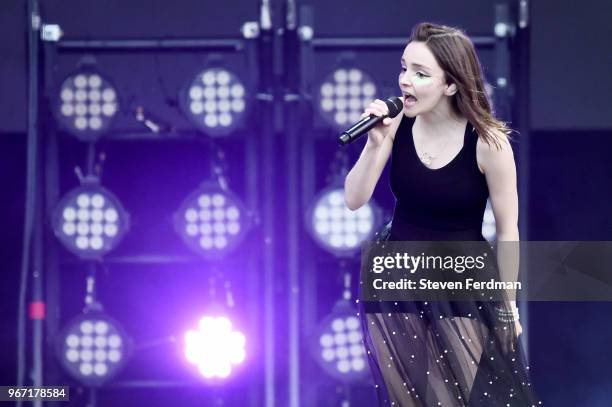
x=444 y=353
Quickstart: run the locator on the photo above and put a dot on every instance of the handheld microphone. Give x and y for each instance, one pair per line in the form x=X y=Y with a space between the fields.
x=360 y=128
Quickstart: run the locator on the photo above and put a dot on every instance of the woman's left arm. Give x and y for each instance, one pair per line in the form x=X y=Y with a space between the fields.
x=500 y=171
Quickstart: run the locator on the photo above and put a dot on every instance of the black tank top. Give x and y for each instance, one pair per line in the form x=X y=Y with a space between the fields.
x=442 y=204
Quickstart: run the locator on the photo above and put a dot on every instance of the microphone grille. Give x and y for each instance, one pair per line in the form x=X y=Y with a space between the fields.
x=395 y=106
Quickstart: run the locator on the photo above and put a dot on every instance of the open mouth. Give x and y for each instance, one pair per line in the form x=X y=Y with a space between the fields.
x=409 y=100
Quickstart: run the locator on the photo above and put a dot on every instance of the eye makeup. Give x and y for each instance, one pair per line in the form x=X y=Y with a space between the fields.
x=418 y=78
x=421 y=80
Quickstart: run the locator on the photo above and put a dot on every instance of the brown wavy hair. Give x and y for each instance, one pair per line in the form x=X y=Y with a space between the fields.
x=456 y=55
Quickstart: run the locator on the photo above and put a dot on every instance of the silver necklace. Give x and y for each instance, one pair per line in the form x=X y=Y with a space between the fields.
x=427 y=158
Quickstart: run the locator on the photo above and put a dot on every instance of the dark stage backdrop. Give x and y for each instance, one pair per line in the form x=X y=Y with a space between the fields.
x=13 y=72
x=363 y=18
x=571 y=65
x=150 y=18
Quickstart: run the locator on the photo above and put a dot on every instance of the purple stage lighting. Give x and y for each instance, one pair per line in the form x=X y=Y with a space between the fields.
x=215 y=347
x=93 y=348
x=215 y=101
x=90 y=221
x=489 y=231
x=86 y=105
x=343 y=95
x=211 y=221
x=338 y=347
x=335 y=227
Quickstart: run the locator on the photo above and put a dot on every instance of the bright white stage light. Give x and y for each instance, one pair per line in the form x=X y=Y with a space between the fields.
x=215 y=347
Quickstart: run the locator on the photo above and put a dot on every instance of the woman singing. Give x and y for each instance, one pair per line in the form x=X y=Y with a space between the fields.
x=449 y=155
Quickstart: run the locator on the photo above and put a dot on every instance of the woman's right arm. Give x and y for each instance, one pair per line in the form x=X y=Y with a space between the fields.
x=363 y=177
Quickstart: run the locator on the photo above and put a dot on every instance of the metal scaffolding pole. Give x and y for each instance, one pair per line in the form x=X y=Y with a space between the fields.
x=267 y=128
x=521 y=115
x=31 y=235
x=293 y=113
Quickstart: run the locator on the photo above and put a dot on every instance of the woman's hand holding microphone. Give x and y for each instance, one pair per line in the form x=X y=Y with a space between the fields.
x=384 y=129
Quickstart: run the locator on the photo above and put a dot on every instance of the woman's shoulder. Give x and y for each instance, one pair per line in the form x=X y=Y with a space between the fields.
x=496 y=141
x=495 y=150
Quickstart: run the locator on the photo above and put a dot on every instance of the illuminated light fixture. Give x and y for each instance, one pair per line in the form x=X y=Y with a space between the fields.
x=93 y=348
x=491 y=94
x=339 y=348
x=490 y=91
x=90 y=221
x=215 y=101
x=343 y=95
x=86 y=105
x=211 y=221
x=215 y=347
x=489 y=231
x=335 y=227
